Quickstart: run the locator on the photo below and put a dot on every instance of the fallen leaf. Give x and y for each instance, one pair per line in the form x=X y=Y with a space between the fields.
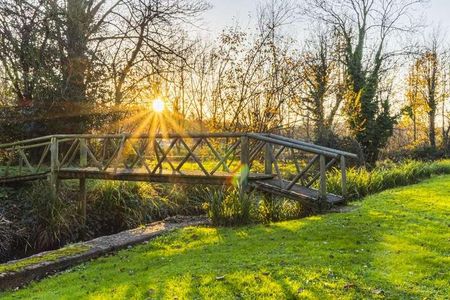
x=349 y=286
x=378 y=292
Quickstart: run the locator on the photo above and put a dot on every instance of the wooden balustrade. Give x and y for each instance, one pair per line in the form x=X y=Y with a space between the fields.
x=254 y=159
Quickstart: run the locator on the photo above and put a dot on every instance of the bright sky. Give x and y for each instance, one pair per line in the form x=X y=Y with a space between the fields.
x=228 y=12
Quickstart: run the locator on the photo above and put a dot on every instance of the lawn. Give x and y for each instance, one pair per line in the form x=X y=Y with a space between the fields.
x=392 y=245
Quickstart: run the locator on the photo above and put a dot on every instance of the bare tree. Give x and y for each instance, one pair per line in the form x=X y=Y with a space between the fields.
x=366 y=27
x=323 y=84
x=432 y=76
x=427 y=86
x=26 y=50
x=146 y=37
x=257 y=71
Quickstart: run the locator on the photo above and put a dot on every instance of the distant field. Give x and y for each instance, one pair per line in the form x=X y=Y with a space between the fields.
x=391 y=245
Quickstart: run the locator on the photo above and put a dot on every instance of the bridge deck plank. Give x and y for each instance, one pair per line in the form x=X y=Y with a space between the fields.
x=188 y=177
x=296 y=192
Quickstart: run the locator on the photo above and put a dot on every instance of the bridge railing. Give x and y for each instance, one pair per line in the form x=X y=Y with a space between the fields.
x=28 y=158
x=291 y=162
x=297 y=163
x=203 y=154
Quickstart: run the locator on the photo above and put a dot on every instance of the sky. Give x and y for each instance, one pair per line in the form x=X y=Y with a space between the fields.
x=228 y=12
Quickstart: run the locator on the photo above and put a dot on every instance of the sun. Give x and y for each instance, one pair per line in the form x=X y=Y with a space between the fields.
x=158 y=105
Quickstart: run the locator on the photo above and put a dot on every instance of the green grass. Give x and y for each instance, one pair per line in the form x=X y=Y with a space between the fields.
x=393 y=245
x=48 y=257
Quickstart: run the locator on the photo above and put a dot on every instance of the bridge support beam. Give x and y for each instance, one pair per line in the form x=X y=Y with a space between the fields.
x=83 y=153
x=268 y=159
x=82 y=195
x=245 y=168
x=53 y=176
x=54 y=184
x=82 y=192
x=323 y=182
x=343 y=177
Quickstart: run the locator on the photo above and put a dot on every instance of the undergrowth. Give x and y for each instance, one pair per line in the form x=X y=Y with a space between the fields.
x=31 y=220
x=362 y=182
x=6 y=237
x=227 y=207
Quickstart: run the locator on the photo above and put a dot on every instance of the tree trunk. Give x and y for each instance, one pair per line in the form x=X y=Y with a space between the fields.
x=76 y=35
x=74 y=65
x=432 y=128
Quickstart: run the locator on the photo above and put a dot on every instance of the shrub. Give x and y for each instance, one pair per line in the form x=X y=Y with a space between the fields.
x=422 y=152
x=114 y=206
x=52 y=221
x=183 y=198
x=39 y=222
x=332 y=140
x=6 y=237
x=275 y=209
x=361 y=182
x=226 y=207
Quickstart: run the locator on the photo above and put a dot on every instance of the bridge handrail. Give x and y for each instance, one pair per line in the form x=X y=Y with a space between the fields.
x=303 y=143
x=142 y=136
x=120 y=135
x=26 y=142
x=272 y=138
x=126 y=135
x=280 y=142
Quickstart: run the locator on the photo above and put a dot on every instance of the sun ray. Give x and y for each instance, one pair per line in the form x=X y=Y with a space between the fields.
x=141 y=129
x=176 y=127
x=132 y=118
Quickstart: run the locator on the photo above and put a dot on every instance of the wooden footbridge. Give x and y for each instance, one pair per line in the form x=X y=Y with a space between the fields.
x=270 y=163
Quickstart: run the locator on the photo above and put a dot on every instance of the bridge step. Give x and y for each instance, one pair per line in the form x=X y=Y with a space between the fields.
x=297 y=192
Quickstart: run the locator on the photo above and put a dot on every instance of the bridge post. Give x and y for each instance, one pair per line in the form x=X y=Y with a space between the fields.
x=20 y=164
x=245 y=161
x=343 y=177
x=53 y=177
x=268 y=159
x=323 y=180
x=268 y=169
x=83 y=153
x=82 y=182
x=82 y=199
